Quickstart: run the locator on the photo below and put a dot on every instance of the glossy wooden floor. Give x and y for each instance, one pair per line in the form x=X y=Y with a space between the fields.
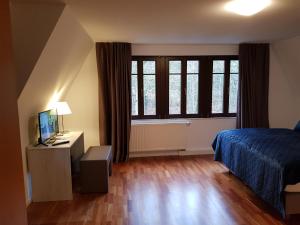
x=163 y=191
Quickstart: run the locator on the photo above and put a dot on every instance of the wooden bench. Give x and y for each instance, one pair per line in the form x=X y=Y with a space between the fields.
x=95 y=169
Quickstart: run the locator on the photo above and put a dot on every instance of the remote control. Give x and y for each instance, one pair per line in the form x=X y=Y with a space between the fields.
x=61 y=143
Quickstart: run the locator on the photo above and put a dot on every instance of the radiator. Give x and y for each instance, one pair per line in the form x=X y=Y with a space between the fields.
x=168 y=136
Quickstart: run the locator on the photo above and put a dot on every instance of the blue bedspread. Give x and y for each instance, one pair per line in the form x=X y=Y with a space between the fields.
x=265 y=159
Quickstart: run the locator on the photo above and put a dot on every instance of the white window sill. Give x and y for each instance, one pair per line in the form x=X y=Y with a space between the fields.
x=174 y=121
x=160 y=122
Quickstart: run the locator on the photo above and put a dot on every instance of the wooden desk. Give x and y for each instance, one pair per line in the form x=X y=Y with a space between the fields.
x=51 y=168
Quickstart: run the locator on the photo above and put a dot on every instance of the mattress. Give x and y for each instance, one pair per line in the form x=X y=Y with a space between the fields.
x=292 y=188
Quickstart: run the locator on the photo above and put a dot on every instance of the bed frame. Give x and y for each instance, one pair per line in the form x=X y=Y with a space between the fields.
x=292 y=203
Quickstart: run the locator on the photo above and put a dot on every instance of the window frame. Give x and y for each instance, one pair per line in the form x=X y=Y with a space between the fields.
x=183 y=60
x=227 y=60
x=140 y=84
x=204 y=86
x=167 y=59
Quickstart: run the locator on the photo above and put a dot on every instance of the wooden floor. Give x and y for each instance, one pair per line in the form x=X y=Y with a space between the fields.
x=163 y=191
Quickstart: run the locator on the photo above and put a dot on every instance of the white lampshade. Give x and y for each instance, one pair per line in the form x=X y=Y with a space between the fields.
x=63 y=108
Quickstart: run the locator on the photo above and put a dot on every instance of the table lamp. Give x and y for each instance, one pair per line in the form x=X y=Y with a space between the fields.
x=63 y=109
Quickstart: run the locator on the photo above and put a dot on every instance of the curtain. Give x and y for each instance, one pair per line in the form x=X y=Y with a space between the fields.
x=253 y=86
x=114 y=71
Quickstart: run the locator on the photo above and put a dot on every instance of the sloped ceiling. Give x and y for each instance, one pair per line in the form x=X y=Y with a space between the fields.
x=32 y=25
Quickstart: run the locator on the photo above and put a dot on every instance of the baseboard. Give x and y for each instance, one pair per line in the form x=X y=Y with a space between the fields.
x=154 y=153
x=206 y=151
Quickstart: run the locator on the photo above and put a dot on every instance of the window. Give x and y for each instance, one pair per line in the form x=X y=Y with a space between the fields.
x=218 y=86
x=174 y=87
x=233 y=86
x=143 y=88
x=192 y=87
x=149 y=89
x=195 y=86
x=225 y=79
x=134 y=89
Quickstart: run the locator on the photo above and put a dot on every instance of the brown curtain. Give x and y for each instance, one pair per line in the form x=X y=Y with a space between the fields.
x=254 y=86
x=114 y=71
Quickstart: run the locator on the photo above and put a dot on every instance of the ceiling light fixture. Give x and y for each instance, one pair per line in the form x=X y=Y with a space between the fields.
x=247 y=7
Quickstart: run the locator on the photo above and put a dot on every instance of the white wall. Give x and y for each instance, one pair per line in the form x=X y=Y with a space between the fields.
x=284 y=94
x=195 y=136
x=201 y=132
x=284 y=91
x=82 y=98
x=56 y=68
x=183 y=49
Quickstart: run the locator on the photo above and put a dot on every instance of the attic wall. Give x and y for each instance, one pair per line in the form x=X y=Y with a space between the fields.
x=54 y=72
x=284 y=94
x=82 y=98
x=32 y=25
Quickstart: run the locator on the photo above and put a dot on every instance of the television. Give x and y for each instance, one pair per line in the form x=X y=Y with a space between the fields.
x=48 y=125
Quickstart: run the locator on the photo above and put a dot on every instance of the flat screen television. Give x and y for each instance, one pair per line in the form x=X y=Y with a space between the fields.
x=48 y=125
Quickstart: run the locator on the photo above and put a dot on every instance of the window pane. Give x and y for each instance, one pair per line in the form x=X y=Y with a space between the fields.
x=148 y=67
x=234 y=66
x=134 y=67
x=174 y=66
x=134 y=95
x=217 y=93
x=149 y=95
x=192 y=94
x=192 y=66
x=218 y=66
x=174 y=94
x=233 y=93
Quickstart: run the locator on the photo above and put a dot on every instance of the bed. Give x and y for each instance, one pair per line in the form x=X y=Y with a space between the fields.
x=267 y=160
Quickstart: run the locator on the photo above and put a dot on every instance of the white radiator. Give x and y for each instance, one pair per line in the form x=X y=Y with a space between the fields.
x=156 y=135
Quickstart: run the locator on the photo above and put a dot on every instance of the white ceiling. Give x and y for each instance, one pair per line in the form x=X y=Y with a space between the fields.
x=184 y=21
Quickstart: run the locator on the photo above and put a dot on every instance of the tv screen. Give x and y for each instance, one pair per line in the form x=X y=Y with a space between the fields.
x=48 y=124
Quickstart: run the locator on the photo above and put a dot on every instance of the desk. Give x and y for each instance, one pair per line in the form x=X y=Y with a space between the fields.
x=51 y=168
